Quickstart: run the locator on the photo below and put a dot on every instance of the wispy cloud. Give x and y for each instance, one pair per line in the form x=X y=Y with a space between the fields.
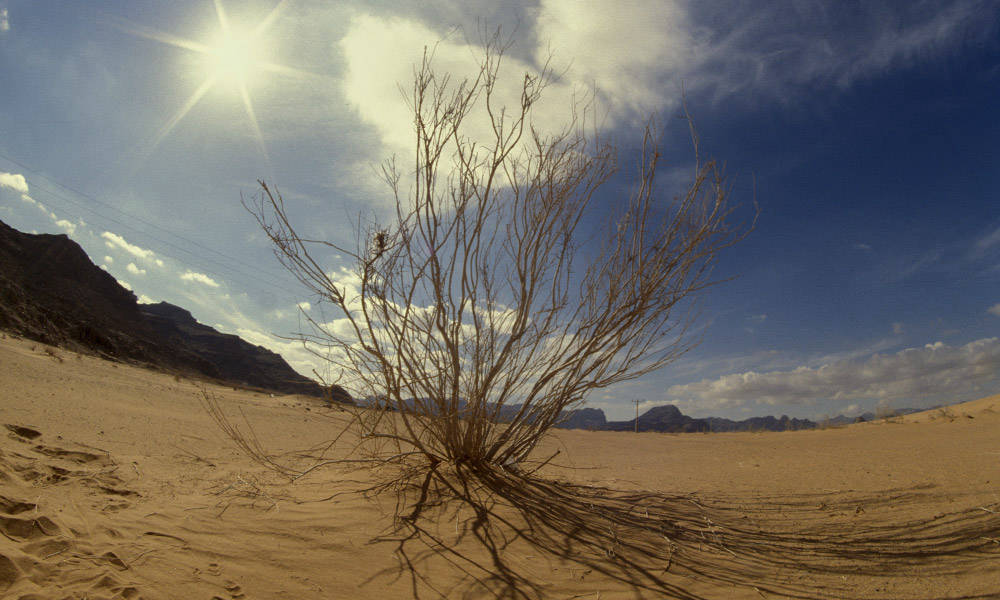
x=778 y=49
x=199 y=278
x=4 y=20
x=994 y=310
x=988 y=241
x=933 y=372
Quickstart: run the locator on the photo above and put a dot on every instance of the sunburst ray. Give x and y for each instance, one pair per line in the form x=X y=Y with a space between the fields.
x=230 y=52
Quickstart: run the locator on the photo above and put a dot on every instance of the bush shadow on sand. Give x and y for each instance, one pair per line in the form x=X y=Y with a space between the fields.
x=660 y=545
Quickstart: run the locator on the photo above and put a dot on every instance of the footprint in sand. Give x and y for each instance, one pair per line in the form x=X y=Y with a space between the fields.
x=38 y=555
x=9 y=573
x=24 y=432
x=235 y=592
x=75 y=456
x=14 y=507
x=20 y=530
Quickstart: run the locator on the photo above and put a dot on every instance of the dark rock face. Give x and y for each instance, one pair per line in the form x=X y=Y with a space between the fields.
x=51 y=291
x=232 y=359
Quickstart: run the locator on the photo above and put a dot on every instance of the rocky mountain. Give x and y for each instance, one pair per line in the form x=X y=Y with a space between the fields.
x=585 y=418
x=232 y=358
x=50 y=291
x=667 y=418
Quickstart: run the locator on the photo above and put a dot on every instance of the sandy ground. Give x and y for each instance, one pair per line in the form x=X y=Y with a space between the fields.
x=115 y=483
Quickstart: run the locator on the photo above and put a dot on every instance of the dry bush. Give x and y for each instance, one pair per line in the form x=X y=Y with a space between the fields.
x=471 y=321
x=474 y=319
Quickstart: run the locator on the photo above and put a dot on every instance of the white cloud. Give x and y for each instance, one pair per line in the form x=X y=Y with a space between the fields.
x=863 y=247
x=634 y=56
x=131 y=268
x=380 y=56
x=144 y=299
x=109 y=260
x=304 y=306
x=628 y=51
x=115 y=241
x=933 y=372
x=14 y=181
x=994 y=310
x=897 y=328
x=124 y=284
x=4 y=20
x=66 y=226
x=199 y=278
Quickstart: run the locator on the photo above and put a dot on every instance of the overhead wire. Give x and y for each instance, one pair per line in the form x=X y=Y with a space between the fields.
x=254 y=277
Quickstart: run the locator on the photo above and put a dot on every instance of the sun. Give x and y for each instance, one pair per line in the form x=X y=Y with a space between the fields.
x=234 y=58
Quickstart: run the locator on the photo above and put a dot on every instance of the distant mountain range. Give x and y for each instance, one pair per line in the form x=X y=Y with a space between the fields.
x=669 y=419
x=50 y=291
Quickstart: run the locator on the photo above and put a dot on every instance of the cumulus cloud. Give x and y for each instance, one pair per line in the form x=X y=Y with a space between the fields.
x=304 y=306
x=4 y=20
x=109 y=260
x=590 y=35
x=66 y=226
x=14 y=181
x=115 y=241
x=635 y=56
x=144 y=299
x=380 y=54
x=994 y=310
x=933 y=372
x=131 y=268
x=124 y=284
x=199 y=278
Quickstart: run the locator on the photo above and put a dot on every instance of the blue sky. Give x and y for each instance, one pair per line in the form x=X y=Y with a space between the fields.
x=867 y=132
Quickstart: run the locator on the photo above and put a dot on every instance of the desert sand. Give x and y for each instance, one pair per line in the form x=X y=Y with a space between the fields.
x=116 y=483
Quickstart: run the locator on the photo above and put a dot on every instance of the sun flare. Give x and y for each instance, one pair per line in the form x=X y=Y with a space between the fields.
x=235 y=59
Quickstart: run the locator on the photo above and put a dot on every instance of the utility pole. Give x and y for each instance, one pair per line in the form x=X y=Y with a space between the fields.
x=637 y=401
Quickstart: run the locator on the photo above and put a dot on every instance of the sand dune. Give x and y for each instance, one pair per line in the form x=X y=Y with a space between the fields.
x=115 y=483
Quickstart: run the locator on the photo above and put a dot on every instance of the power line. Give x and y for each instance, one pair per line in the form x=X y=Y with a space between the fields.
x=130 y=215
x=255 y=276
